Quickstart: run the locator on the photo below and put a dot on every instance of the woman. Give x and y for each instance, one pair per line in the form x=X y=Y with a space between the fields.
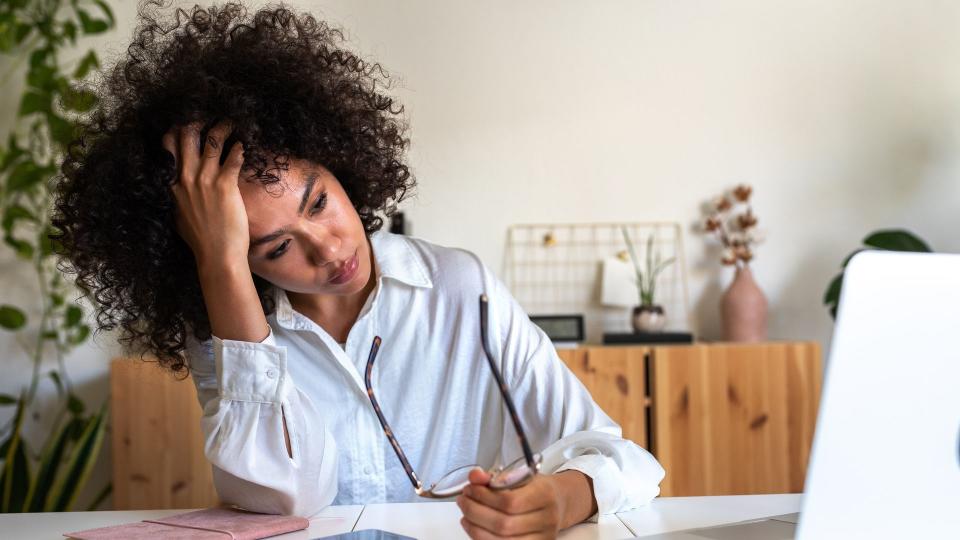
x=222 y=209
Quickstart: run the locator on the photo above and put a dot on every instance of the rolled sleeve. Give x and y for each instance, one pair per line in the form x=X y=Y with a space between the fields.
x=607 y=462
x=248 y=400
x=250 y=371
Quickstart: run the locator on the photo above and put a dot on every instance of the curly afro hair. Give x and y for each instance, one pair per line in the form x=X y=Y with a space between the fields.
x=291 y=91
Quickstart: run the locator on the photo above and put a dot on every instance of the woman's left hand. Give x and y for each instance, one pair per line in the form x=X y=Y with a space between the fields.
x=539 y=509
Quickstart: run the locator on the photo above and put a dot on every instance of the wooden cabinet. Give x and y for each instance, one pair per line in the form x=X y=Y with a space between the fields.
x=616 y=379
x=734 y=419
x=722 y=419
x=155 y=439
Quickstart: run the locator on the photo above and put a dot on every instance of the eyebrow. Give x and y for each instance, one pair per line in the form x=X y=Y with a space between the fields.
x=307 y=190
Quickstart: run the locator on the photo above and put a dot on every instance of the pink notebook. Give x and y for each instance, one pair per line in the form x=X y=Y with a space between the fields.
x=211 y=523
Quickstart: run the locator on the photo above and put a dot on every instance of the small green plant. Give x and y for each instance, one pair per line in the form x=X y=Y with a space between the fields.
x=646 y=276
x=51 y=107
x=887 y=240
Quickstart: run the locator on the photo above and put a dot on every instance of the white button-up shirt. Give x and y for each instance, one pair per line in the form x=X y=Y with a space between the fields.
x=432 y=381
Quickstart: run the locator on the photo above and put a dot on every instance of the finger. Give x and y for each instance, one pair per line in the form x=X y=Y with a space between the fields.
x=230 y=172
x=500 y=523
x=212 y=148
x=511 y=501
x=479 y=476
x=189 y=151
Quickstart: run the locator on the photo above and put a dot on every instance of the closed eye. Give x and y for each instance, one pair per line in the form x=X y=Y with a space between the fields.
x=280 y=250
x=320 y=204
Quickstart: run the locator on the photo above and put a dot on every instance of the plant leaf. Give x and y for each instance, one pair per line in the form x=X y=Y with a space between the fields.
x=82 y=459
x=88 y=62
x=13 y=155
x=7 y=399
x=39 y=56
x=16 y=470
x=23 y=249
x=91 y=25
x=106 y=11
x=23 y=30
x=12 y=318
x=42 y=78
x=61 y=130
x=74 y=315
x=57 y=381
x=75 y=404
x=896 y=240
x=14 y=213
x=24 y=176
x=33 y=102
x=83 y=331
x=832 y=297
x=70 y=30
x=50 y=461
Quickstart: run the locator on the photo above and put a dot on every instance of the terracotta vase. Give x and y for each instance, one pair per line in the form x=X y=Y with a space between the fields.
x=744 y=309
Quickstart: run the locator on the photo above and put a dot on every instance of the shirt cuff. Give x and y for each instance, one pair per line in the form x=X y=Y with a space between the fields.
x=606 y=479
x=251 y=371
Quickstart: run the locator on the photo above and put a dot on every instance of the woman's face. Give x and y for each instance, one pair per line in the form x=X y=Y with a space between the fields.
x=305 y=235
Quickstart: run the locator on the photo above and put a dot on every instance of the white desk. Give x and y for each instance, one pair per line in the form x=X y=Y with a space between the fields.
x=441 y=520
x=428 y=521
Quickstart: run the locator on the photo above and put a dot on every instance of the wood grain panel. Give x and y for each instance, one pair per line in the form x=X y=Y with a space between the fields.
x=734 y=419
x=615 y=377
x=157 y=446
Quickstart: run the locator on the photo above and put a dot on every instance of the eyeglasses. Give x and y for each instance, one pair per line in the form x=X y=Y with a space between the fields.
x=515 y=474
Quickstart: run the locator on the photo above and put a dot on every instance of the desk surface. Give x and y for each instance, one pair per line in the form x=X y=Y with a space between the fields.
x=427 y=521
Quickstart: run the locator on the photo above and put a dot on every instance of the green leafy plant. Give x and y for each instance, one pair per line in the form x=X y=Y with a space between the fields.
x=50 y=109
x=887 y=240
x=646 y=276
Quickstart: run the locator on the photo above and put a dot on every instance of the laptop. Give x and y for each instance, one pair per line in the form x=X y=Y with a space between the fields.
x=886 y=454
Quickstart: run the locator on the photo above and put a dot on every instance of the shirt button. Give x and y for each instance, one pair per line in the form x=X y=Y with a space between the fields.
x=271 y=374
x=367 y=470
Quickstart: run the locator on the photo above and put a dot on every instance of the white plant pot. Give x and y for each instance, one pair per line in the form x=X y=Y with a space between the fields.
x=649 y=319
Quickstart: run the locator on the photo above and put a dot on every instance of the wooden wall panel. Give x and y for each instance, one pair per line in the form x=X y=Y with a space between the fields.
x=734 y=419
x=157 y=446
x=616 y=380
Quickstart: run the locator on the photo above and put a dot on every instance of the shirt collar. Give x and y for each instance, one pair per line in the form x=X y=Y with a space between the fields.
x=395 y=259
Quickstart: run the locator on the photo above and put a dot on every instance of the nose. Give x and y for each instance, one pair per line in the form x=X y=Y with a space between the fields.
x=323 y=247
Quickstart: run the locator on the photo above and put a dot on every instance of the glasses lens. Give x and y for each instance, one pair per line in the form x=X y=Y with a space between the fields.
x=453 y=482
x=513 y=475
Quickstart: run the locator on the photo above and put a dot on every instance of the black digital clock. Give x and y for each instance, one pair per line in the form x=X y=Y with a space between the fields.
x=561 y=328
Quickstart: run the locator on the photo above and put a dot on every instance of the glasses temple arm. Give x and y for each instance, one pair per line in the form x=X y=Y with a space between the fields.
x=514 y=417
x=383 y=421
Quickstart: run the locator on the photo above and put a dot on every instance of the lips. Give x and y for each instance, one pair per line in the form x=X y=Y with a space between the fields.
x=346 y=271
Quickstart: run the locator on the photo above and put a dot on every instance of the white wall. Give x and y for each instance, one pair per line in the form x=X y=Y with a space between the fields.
x=845 y=116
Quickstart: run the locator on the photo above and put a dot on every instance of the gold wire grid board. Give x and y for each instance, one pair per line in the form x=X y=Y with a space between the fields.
x=558 y=269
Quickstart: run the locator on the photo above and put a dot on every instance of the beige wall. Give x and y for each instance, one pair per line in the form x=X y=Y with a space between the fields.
x=845 y=116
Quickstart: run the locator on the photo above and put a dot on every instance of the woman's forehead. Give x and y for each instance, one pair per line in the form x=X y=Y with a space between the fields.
x=295 y=186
